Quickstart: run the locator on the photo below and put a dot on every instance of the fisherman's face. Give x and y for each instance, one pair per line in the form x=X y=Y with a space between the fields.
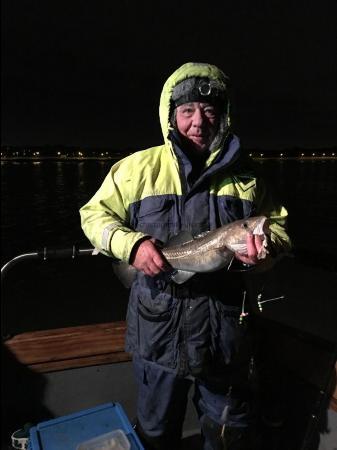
x=198 y=123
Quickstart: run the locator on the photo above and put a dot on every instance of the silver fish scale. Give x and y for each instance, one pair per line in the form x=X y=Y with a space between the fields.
x=195 y=247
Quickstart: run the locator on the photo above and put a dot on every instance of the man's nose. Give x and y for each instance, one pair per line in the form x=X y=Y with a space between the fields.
x=198 y=118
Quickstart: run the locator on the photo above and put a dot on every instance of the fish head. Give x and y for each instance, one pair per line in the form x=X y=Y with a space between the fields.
x=235 y=234
x=258 y=225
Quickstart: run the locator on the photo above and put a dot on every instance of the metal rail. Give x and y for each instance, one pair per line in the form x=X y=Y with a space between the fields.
x=47 y=254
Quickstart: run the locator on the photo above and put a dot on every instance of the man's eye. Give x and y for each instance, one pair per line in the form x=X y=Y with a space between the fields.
x=210 y=112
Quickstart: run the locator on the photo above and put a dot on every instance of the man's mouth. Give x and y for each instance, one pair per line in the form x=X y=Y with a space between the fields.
x=199 y=137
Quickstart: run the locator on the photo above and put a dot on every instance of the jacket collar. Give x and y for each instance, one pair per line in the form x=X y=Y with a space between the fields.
x=226 y=157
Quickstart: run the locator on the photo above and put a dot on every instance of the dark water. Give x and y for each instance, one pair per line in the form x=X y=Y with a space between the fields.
x=40 y=201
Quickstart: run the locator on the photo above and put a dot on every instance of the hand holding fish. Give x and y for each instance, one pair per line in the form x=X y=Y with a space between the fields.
x=148 y=259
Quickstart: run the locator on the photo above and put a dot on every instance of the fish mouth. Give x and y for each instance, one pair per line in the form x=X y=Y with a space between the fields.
x=265 y=226
x=262 y=227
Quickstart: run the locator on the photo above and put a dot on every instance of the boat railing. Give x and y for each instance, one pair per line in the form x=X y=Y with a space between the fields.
x=66 y=347
x=47 y=254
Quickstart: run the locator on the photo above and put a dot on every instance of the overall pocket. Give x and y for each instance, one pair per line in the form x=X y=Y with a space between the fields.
x=156 y=322
x=230 y=332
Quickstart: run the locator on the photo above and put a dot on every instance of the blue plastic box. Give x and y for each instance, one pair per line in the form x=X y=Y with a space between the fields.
x=67 y=432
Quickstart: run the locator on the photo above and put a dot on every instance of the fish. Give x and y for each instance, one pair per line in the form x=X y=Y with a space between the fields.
x=207 y=252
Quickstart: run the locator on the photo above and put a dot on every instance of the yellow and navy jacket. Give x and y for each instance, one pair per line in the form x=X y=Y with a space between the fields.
x=152 y=193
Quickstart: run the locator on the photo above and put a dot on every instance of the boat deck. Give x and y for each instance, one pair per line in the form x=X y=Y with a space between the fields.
x=63 y=350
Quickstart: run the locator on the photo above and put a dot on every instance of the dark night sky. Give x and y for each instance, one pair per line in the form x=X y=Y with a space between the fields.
x=91 y=73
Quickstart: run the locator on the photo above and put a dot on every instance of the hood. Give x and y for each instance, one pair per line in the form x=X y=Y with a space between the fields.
x=187 y=70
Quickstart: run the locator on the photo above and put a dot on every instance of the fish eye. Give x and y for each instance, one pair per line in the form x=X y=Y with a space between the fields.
x=245 y=225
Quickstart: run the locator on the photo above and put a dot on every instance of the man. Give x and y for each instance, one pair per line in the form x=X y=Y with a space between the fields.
x=198 y=180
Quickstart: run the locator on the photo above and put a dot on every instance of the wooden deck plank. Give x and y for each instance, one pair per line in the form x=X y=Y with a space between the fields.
x=63 y=348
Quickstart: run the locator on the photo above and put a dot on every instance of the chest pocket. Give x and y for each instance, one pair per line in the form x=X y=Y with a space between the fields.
x=238 y=203
x=156 y=217
x=233 y=208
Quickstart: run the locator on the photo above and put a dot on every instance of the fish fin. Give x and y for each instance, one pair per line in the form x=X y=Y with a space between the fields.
x=124 y=272
x=180 y=276
x=181 y=238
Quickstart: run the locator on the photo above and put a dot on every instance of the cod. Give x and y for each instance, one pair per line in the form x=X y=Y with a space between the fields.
x=207 y=252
